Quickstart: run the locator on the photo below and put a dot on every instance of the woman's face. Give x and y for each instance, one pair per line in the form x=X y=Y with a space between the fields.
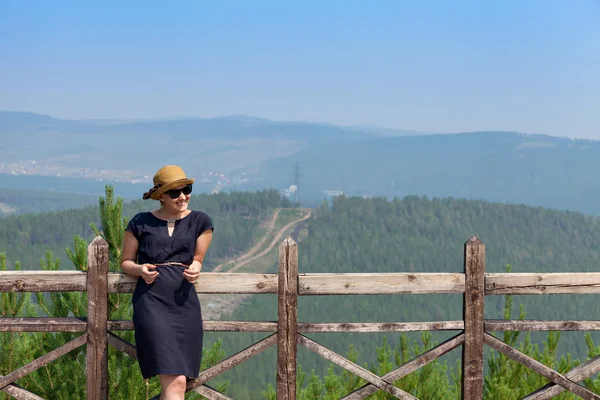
x=177 y=204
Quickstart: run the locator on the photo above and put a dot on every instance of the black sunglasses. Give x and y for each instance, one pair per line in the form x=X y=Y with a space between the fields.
x=175 y=193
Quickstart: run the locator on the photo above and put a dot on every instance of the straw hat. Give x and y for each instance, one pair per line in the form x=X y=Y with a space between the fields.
x=167 y=178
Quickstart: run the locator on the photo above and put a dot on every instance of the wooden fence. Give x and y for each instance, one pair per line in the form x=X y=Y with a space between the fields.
x=288 y=333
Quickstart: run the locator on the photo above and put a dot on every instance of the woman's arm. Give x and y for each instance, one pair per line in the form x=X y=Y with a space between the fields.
x=202 y=245
x=129 y=258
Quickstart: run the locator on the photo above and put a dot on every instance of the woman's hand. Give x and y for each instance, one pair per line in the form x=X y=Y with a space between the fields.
x=191 y=273
x=148 y=273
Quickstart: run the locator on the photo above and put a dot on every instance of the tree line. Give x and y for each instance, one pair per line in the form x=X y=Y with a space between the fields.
x=236 y=216
x=349 y=235
x=418 y=234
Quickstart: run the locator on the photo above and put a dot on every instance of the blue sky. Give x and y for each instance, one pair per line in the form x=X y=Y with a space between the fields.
x=439 y=66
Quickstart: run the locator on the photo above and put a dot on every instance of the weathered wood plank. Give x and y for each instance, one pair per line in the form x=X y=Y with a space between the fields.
x=212 y=394
x=43 y=360
x=381 y=326
x=548 y=283
x=381 y=283
x=97 y=338
x=232 y=361
x=265 y=326
x=539 y=367
x=119 y=325
x=206 y=391
x=473 y=306
x=210 y=283
x=287 y=319
x=212 y=326
x=121 y=344
x=540 y=325
x=409 y=367
x=240 y=326
x=379 y=382
x=258 y=326
x=19 y=393
x=66 y=324
x=577 y=374
x=322 y=284
x=73 y=324
x=42 y=281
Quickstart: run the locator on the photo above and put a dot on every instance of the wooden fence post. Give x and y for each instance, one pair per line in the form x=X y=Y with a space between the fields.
x=473 y=304
x=97 y=333
x=287 y=320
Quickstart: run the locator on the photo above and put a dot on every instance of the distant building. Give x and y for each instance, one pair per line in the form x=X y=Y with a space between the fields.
x=333 y=193
x=289 y=191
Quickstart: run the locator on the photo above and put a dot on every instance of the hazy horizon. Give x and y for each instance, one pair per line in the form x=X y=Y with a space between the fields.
x=323 y=123
x=432 y=66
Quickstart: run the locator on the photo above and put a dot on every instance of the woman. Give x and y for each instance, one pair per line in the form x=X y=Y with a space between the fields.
x=165 y=248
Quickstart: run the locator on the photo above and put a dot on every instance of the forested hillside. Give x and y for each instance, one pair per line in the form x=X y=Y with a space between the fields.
x=423 y=235
x=506 y=167
x=236 y=217
x=20 y=201
x=368 y=235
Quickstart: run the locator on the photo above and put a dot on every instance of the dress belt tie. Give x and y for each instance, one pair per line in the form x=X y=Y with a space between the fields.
x=170 y=263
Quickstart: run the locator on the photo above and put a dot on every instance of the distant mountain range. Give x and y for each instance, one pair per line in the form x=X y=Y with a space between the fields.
x=247 y=153
x=130 y=150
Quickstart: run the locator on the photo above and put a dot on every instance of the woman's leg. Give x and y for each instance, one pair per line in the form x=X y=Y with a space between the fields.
x=172 y=387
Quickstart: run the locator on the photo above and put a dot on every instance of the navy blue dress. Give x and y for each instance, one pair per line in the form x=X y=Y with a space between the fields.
x=166 y=314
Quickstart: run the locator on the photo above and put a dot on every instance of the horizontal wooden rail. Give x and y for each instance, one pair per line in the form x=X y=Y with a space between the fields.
x=75 y=281
x=210 y=283
x=380 y=326
x=385 y=283
x=43 y=281
x=548 y=283
x=65 y=324
x=75 y=324
x=322 y=284
x=537 y=325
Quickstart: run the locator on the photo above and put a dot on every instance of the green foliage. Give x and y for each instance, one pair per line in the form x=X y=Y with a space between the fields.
x=78 y=255
x=113 y=225
x=12 y=344
x=351 y=235
x=19 y=201
x=65 y=377
x=430 y=382
x=416 y=234
x=235 y=217
x=504 y=378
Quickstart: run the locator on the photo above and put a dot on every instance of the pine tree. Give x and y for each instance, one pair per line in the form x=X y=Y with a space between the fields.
x=65 y=378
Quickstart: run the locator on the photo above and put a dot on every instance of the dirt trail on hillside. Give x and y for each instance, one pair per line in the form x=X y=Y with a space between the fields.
x=270 y=226
x=273 y=243
x=213 y=305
